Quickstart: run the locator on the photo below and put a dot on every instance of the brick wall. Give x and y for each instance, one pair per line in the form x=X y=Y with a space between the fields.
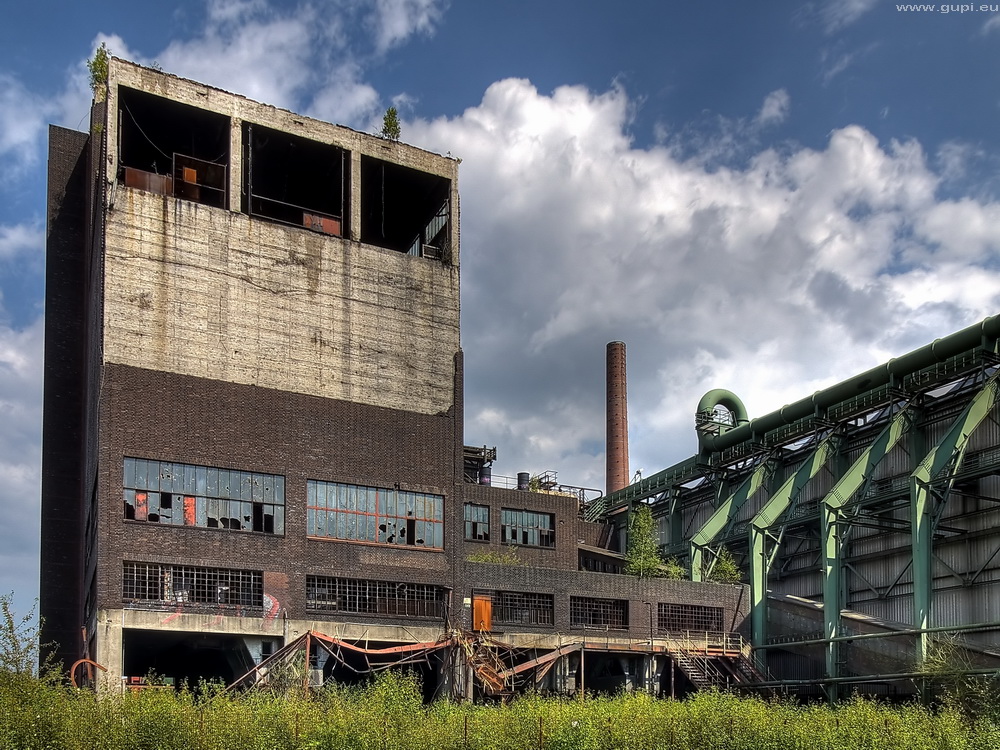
x=562 y=584
x=158 y=415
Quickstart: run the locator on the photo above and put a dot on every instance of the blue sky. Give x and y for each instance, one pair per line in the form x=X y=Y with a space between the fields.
x=764 y=197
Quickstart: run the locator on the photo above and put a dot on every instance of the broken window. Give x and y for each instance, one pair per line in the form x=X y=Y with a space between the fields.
x=172 y=148
x=678 y=617
x=295 y=180
x=527 y=527
x=477 y=522
x=404 y=209
x=606 y=614
x=185 y=584
x=352 y=595
x=372 y=514
x=203 y=496
x=520 y=608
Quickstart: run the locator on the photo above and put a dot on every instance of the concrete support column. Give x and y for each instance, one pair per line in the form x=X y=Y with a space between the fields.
x=109 y=652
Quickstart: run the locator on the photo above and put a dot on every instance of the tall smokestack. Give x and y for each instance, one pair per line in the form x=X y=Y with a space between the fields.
x=617 y=435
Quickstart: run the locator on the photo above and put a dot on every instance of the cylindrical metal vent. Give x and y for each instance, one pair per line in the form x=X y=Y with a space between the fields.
x=617 y=434
x=485 y=474
x=523 y=480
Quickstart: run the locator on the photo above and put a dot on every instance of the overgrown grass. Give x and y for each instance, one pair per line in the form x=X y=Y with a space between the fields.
x=388 y=714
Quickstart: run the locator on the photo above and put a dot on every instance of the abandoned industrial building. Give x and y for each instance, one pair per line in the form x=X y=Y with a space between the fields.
x=253 y=446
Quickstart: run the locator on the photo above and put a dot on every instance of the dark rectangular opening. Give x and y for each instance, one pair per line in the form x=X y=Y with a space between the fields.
x=172 y=148
x=295 y=180
x=404 y=209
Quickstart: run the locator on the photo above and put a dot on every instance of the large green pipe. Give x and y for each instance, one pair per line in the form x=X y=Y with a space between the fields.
x=938 y=351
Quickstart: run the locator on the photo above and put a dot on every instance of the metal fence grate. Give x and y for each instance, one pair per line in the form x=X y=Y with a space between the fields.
x=326 y=594
x=677 y=617
x=520 y=608
x=585 y=612
x=185 y=584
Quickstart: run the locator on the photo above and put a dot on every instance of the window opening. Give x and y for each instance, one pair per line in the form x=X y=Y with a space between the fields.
x=527 y=528
x=358 y=596
x=372 y=514
x=171 y=148
x=477 y=522
x=203 y=496
x=185 y=584
x=522 y=608
x=404 y=209
x=609 y=614
x=678 y=617
x=294 y=180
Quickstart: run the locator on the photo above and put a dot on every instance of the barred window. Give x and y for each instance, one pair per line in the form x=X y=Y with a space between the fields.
x=352 y=595
x=371 y=514
x=477 y=522
x=520 y=608
x=185 y=584
x=527 y=528
x=585 y=612
x=203 y=496
x=676 y=617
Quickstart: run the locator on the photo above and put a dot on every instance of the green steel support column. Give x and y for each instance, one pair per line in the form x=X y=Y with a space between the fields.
x=948 y=452
x=724 y=515
x=766 y=517
x=833 y=592
x=852 y=480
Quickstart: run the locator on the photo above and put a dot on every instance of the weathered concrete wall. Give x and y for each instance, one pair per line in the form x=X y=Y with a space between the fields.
x=200 y=291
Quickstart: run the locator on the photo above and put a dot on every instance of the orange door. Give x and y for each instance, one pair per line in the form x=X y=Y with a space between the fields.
x=482 y=612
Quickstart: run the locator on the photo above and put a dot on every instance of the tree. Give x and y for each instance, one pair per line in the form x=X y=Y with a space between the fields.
x=20 y=649
x=726 y=570
x=390 y=124
x=643 y=555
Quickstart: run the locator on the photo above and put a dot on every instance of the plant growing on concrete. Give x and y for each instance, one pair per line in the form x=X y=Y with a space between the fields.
x=390 y=125
x=98 y=67
x=508 y=556
x=643 y=554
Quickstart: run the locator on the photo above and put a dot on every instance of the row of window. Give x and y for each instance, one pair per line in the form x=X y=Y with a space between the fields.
x=175 y=149
x=161 y=584
x=371 y=514
x=521 y=527
x=186 y=495
x=186 y=584
x=206 y=497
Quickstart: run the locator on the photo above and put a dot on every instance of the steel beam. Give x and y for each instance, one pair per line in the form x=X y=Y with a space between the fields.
x=846 y=488
x=766 y=518
x=927 y=499
x=724 y=516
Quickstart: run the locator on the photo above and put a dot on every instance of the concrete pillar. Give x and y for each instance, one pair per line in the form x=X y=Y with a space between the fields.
x=109 y=652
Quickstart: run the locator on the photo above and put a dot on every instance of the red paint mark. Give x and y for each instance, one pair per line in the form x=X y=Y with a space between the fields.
x=174 y=616
x=272 y=610
x=189 y=511
x=141 y=506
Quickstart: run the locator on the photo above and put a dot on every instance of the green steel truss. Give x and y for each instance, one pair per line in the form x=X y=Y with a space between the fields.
x=767 y=531
x=930 y=485
x=855 y=482
x=947 y=389
x=721 y=522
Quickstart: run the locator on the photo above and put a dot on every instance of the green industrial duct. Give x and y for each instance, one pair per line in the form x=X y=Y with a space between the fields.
x=938 y=351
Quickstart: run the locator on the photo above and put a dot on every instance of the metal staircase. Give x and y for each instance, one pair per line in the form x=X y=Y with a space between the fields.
x=716 y=660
